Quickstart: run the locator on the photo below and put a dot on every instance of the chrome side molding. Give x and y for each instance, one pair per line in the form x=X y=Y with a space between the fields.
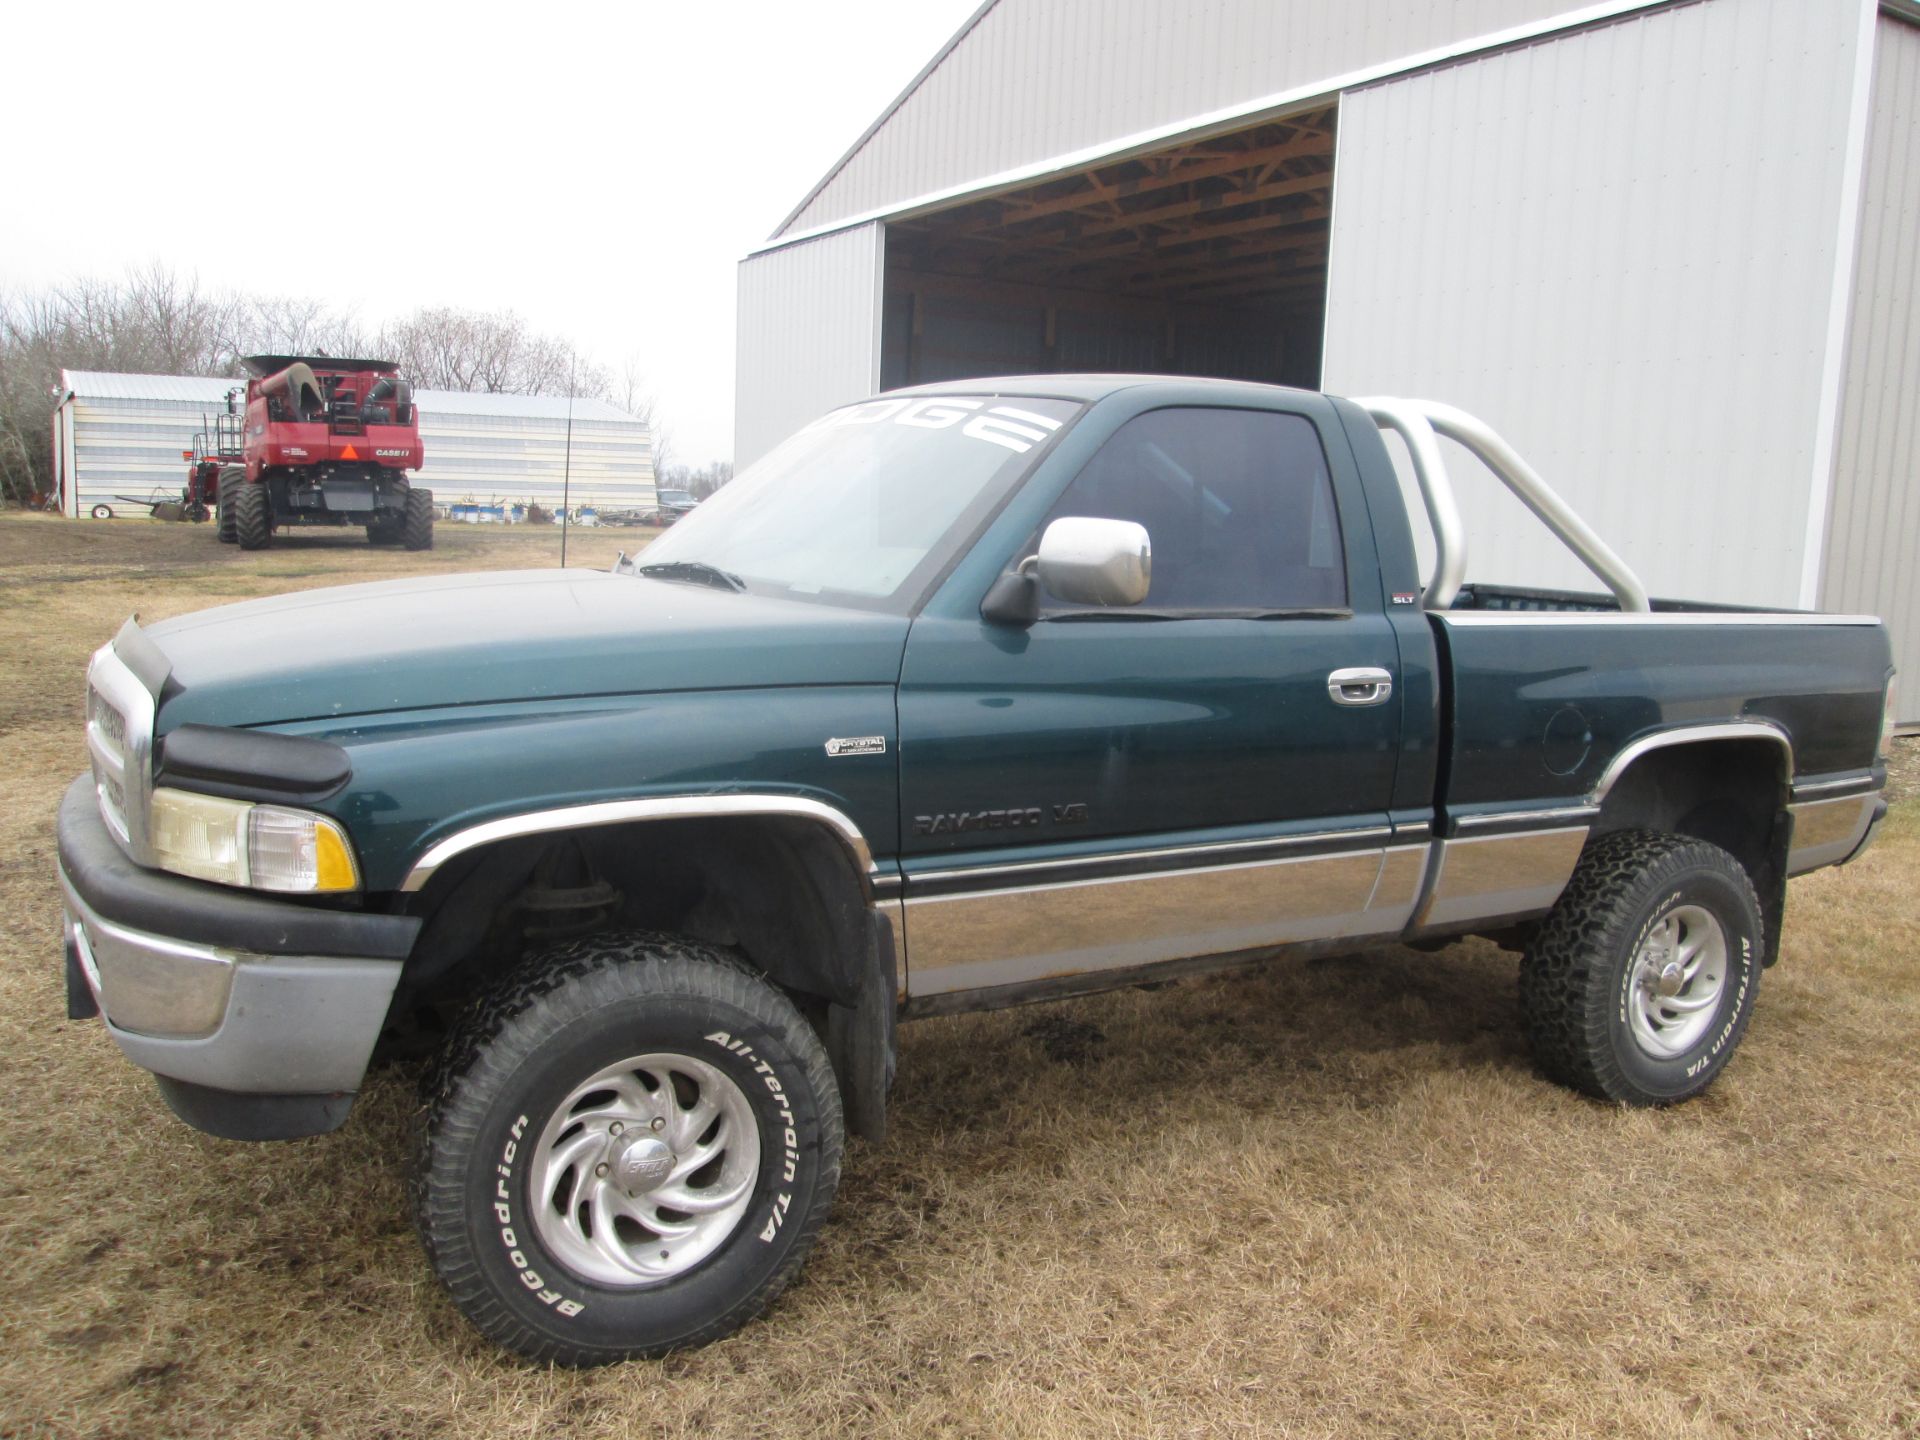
x=1497 y=879
x=658 y=807
x=1686 y=735
x=1828 y=832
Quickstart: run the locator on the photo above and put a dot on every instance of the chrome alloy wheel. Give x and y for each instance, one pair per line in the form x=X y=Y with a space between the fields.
x=1678 y=974
x=644 y=1170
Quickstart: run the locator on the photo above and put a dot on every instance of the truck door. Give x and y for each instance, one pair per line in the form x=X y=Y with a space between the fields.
x=1207 y=772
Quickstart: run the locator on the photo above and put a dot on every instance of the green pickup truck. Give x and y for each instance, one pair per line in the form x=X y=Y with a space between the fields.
x=965 y=696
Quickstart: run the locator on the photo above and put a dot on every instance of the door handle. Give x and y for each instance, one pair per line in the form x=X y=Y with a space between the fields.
x=1360 y=685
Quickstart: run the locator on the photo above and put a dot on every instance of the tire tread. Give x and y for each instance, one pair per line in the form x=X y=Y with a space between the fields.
x=502 y=1029
x=1564 y=997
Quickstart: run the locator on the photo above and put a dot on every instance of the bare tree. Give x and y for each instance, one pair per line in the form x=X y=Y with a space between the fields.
x=292 y=325
x=159 y=321
x=440 y=348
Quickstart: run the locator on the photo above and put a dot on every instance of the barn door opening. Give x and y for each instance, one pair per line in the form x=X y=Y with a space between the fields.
x=1208 y=257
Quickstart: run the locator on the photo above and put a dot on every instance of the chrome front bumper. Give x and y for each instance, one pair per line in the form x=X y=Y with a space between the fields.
x=227 y=1019
x=258 y=1016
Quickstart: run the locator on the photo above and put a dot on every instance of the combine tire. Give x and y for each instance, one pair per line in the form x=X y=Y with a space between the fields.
x=417 y=530
x=1641 y=982
x=628 y=1148
x=252 y=520
x=231 y=476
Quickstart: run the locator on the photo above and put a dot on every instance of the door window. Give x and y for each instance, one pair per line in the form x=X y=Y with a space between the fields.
x=1238 y=506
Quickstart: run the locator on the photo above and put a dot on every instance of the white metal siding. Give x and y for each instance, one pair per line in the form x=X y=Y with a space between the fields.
x=1617 y=247
x=1873 y=537
x=1034 y=79
x=809 y=335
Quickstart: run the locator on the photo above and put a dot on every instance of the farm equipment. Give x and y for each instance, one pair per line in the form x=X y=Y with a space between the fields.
x=322 y=441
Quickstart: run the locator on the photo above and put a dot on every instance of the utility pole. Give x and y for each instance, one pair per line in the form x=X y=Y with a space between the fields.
x=566 y=464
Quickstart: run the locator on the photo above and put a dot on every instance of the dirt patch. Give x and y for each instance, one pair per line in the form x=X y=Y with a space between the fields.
x=1304 y=1200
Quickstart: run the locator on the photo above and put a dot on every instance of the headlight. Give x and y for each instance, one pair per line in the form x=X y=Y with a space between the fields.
x=258 y=847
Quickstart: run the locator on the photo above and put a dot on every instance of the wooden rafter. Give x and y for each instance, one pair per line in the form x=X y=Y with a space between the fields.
x=1240 y=217
x=1013 y=210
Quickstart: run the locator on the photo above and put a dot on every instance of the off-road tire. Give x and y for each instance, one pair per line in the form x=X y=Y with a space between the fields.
x=231 y=476
x=416 y=530
x=549 y=1026
x=1576 y=980
x=251 y=507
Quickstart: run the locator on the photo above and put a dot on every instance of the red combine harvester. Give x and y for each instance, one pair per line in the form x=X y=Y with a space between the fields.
x=323 y=442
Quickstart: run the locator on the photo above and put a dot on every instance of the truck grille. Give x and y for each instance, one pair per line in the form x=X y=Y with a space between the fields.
x=107 y=744
x=119 y=744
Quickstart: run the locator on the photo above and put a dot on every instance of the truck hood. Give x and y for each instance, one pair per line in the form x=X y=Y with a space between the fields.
x=504 y=636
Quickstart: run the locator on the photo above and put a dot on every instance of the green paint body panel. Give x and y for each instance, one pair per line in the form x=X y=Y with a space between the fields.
x=1160 y=729
x=470 y=698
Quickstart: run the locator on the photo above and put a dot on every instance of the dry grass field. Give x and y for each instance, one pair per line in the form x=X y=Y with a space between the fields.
x=1320 y=1198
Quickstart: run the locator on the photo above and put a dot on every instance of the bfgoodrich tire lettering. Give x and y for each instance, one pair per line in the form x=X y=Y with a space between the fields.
x=563 y=1018
x=1639 y=905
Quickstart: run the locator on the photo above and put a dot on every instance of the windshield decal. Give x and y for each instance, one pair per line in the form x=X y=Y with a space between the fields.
x=1004 y=425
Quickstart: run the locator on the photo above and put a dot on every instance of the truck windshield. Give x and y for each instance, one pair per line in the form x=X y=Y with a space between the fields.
x=864 y=505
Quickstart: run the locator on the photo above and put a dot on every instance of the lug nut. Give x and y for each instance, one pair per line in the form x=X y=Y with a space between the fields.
x=615 y=1128
x=659 y=1122
x=602 y=1169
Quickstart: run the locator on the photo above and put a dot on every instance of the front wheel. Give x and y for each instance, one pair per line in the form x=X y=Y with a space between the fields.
x=1642 y=980
x=252 y=509
x=629 y=1149
x=226 y=486
x=416 y=524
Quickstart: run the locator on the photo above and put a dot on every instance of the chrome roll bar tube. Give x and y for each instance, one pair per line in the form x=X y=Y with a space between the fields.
x=1418 y=423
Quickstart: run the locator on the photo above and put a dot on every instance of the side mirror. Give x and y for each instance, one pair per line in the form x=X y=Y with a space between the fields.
x=1084 y=561
x=1096 y=562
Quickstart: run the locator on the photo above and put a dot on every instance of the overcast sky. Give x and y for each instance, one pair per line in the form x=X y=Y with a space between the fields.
x=598 y=169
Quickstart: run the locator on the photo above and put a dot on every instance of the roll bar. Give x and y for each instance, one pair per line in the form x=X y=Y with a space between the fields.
x=1418 y=422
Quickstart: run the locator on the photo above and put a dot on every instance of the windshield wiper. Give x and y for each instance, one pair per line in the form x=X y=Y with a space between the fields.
x=697 y=571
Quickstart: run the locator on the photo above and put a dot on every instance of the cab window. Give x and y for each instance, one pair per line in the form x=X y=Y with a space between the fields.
x=1238 y=505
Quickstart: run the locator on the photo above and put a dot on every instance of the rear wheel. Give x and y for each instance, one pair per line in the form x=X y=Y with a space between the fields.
x=252 y=517
x=416 y=531
x=1642 y=980
x=231 y=477
x=629 y=1148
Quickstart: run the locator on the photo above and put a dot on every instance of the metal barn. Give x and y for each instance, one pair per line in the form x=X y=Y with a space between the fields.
x=118 y=436
x=1670 y=247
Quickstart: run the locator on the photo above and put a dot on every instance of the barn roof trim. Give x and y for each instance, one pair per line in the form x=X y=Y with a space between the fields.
x=1224 y=119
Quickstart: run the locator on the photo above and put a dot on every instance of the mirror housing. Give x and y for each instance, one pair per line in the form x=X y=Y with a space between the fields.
x=1084 y=561
x=1013 y=599
x=1088 y=561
